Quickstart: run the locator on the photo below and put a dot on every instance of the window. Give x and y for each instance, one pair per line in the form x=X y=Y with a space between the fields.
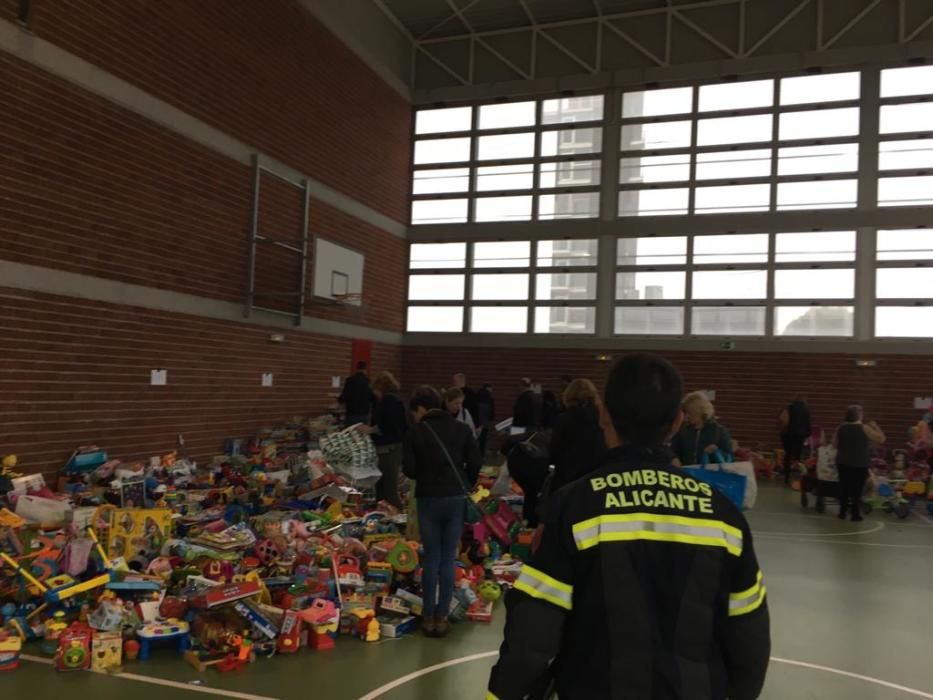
x=821 y=88
x=437 y=256
x=441 y=181
x=435 y=319
x=499 y=319
x=905 y=245
x=730 y=284
x=498 y=287
x=904 y=283
x=443 y=121
x=905 y=191
x=814 y=321
x=904 y=82
x=904 y=322
x=650 y=286
x=739 y=147
x=439 y=211
x=823 y=194
x=730 y=249
x=551 y=287
x=435 y=287
x=814 y=284
x=442 y=151
x=914 y=154
x=825 y=246
x=502 y=254
x=504 y=208
x=726 y=96
x=569 y=253
x=649 y=320
x=729 y=320
x=562 y=319
x=504 y=116
x=665 y=250
x=537 y=150
x=660 y=202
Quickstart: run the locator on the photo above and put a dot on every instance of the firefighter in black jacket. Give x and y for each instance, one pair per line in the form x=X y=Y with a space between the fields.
x=646 y=584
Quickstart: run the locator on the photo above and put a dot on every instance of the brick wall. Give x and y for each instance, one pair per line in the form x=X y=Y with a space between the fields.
x=89 y=187
x=75 y=372
x=750 y=387
x=265 y=72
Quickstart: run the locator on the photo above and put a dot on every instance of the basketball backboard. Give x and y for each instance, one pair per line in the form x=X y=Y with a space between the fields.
x=338 y=272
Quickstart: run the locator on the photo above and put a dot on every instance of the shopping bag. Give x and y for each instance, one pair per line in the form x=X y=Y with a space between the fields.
x=732 y=486
x=826 y=469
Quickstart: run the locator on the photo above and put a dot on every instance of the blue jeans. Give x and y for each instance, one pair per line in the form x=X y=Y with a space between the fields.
x=441 y=522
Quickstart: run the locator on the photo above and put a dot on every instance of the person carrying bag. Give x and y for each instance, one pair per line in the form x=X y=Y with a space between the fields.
x=442 y=456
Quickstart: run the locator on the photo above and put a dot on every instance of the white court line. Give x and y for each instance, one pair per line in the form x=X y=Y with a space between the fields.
x=382 y=690
x=786 y=515
x=815 y=540
x=876 y=528
x=160 y=681
x=856 y=676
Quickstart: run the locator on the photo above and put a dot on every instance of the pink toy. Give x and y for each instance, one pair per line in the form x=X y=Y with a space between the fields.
x=500 y=521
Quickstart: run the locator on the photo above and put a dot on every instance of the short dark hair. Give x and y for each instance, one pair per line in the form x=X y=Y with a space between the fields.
x=854 y=413
x=426 y=397
x=361 y=365
x=643 y=394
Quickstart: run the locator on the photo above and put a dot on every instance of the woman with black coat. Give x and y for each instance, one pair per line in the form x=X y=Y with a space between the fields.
x=577 y=441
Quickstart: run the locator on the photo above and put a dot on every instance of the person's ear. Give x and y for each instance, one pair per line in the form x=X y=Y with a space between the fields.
x=609 y=430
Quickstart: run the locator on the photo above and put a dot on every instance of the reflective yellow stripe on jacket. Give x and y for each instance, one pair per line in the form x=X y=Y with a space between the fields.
x=490 y=696
x=658 y=528
x=539 y=585
x=749 y=600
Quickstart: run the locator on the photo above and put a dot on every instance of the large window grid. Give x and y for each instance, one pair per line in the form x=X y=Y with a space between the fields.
x=512 y=161
x=904 y=283
x=872 y=143
x=750 y=146
x=905 y=158
x=759 y=284
x=543 y=287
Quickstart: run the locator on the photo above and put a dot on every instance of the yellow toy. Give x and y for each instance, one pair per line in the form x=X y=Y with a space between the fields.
x=134 y=530
x=107 y=651
x=372 y=631
x=7 y=465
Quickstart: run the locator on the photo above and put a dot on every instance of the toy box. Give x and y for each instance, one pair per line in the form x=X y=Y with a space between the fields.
x=74 y=648
x=392 y=627
x=106 y=651
x=135 y=531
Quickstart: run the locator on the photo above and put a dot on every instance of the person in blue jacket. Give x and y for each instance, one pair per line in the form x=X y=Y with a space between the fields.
x=701 y=435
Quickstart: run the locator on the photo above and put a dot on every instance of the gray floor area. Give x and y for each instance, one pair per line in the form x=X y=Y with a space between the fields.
x=845 y=598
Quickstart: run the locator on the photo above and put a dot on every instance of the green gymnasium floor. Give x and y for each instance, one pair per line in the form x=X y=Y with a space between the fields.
x=852 y=619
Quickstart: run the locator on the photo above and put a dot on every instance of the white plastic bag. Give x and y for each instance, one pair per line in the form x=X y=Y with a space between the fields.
x=826 y=469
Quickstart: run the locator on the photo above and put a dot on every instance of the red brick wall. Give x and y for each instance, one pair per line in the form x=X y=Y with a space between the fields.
x=89 y=187
x=750 y=387
x=77 y=372
x=265 y=72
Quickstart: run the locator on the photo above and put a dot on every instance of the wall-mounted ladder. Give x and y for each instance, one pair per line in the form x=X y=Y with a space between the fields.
x=257 y=238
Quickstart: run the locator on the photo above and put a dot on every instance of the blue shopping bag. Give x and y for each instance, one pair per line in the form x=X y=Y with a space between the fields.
x=729 y=484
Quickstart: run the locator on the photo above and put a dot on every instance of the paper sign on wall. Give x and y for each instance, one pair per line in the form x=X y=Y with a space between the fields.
x=710 y=394
x=267 y=378
x=158 y=377
x=923 y=403
x=335 y=382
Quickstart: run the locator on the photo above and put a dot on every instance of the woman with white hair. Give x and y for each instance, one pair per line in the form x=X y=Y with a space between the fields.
x=701 y=435
x=853 y=457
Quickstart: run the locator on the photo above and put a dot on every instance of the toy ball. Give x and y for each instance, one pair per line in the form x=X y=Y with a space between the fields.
x=267 y=552
x=131 y=650
x=489 y=591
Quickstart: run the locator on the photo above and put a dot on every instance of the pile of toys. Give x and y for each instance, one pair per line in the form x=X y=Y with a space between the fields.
x=270 y=548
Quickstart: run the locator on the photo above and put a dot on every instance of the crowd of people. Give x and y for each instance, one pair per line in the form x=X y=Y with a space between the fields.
x=674 y=555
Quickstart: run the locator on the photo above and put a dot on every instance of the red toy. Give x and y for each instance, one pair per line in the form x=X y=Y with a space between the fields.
x=500 y=519
x=289 y=640
x=74 y=648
